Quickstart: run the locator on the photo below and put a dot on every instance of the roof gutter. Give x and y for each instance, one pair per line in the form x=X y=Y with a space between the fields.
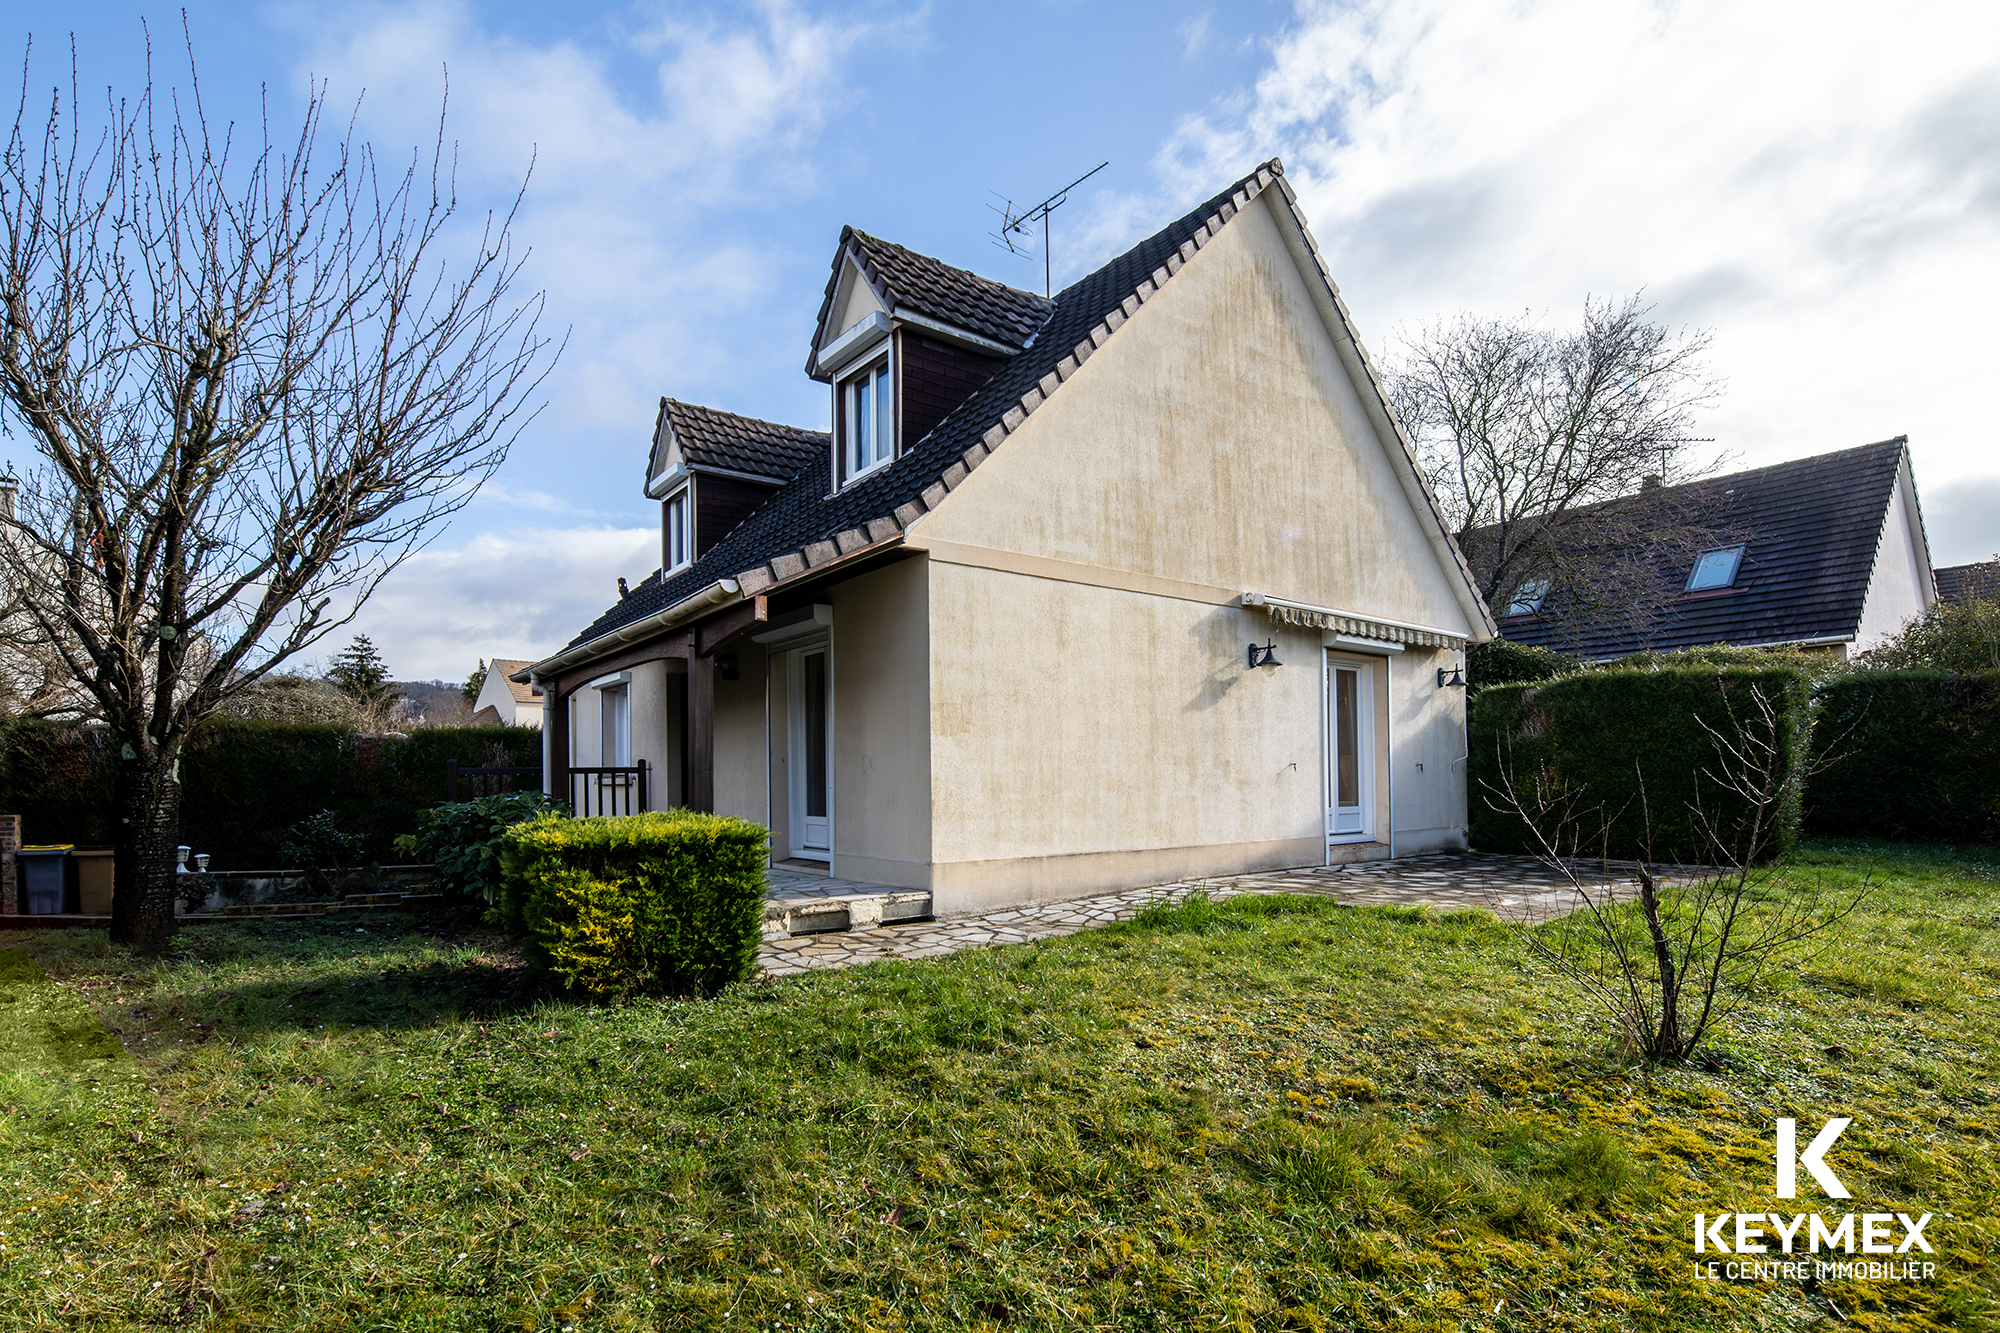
x=720 y=593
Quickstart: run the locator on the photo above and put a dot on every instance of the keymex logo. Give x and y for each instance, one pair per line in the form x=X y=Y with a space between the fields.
x=1768 y=1233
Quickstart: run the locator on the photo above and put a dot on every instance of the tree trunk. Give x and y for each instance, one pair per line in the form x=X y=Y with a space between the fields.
x=149 y=819
x=1666 y=1041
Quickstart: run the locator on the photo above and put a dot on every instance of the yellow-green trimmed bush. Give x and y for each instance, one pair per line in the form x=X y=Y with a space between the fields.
x=665 y=903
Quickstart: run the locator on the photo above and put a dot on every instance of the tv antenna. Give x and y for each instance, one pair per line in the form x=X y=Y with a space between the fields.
x=1014 y=224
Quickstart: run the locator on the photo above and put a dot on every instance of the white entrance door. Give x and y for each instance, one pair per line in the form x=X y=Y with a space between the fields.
x=1350 y=751
x=811 y=755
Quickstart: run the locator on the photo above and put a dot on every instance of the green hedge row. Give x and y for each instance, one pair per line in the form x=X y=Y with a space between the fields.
x=669 y=902
x=1912 y=755
x=244 y=783
x=1612 y=734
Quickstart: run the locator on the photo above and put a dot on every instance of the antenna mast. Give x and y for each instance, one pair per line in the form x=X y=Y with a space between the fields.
x=1013 y=224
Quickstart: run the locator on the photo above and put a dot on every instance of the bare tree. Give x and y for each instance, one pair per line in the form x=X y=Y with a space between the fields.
x=1551 y=452
x=1703 y=934
x=257 y=373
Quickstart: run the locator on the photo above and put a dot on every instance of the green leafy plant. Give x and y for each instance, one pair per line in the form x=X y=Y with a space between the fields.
x=316 y=843
x=462 y=839
x=669 y=902
x=1962 y=636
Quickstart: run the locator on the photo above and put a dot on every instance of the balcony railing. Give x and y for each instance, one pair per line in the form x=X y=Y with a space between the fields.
x=608 y=791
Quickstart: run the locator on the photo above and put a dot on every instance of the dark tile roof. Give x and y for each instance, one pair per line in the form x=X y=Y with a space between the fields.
x=1960 y=584
x=802 y=526
x=710 y=437
x=1810 y=529
x=904 y=279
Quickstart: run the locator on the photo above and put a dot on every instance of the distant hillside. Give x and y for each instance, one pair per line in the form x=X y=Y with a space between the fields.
x=432 y=703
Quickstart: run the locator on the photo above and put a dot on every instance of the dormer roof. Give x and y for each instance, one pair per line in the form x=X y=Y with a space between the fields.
x=990 y=315
x=691 y=438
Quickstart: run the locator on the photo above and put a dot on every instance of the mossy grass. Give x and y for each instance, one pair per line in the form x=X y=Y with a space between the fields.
x=1262 y=1113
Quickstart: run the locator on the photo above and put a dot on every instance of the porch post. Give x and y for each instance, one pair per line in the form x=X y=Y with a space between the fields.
x=555 y=738
x=700 y=735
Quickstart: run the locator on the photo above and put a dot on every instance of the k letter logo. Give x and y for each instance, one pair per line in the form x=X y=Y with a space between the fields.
x=1812 y=1159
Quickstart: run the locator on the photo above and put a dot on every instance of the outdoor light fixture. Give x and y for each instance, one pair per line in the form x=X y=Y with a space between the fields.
x=1456 y=682
x=1265 y=656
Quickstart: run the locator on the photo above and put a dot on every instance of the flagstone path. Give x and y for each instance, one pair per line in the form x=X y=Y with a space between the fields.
x=1516 y=888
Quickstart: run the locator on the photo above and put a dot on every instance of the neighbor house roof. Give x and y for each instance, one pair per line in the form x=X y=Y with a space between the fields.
x=711 y=438
x=1969 y=583
x=807 y=525
x=1810 y=531
x=905 y=281
x=505 y=667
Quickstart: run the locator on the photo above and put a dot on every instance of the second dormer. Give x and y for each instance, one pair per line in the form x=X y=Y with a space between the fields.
x=902 y=340
x=710 y=470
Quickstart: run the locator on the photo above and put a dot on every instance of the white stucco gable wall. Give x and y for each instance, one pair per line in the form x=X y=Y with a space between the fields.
x=1900 y=586
x=1093 y=722
x=1218 y=438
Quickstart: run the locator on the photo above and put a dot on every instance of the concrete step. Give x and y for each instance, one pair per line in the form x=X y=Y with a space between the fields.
x=813 y=912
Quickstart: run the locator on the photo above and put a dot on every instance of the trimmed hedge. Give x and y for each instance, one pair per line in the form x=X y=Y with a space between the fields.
x=1912 y=755
x=1502 y=662
x=670 y=902
x=245 y=783
x=1603 y=731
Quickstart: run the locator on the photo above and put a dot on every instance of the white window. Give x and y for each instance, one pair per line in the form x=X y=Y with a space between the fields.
x=614 y=727
x=867 y=420
x=1715 y=569
x=678 y=531
x=1527 y=598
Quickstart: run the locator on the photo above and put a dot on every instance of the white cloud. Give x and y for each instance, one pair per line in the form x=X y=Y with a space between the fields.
x=1819 y=183
x=523 y=593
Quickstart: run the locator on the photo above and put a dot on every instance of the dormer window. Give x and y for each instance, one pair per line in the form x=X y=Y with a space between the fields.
x=867 y=420
x=1715 y=569
x=677 y=531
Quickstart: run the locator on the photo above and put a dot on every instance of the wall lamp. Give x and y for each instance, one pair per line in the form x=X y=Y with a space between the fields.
x=1265 y=656
x=1455 y=682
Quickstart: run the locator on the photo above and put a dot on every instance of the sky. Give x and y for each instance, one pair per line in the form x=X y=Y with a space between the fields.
x=1817 y=184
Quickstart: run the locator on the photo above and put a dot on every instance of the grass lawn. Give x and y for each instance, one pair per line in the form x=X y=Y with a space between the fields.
x=1270 y=1114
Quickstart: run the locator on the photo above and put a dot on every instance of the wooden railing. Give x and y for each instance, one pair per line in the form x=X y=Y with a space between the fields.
x=490 y=780
x=608 y=791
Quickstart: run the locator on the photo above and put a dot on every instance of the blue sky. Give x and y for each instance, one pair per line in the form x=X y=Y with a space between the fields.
x=1818 y=183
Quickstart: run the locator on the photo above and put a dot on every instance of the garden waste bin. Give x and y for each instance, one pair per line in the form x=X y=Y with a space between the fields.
x=93 y=879
x=44 y=877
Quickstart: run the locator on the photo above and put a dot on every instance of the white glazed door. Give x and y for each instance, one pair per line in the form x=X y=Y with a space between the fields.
x=811 y=755
x=1349 y=754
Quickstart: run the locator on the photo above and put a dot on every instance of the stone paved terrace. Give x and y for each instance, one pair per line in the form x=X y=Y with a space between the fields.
x=1518 y=888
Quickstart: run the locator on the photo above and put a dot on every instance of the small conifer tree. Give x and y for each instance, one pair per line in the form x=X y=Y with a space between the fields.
x=359 y=672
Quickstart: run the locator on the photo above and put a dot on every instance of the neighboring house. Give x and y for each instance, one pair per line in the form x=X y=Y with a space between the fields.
x=994 y=635
x=1829 y=555
x=515 y=703
x=1960 y=584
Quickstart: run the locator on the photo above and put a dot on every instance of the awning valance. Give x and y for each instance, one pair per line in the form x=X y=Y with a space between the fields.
x=1284 y=612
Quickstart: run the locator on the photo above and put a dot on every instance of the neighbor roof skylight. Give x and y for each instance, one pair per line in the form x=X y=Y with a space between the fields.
x=1715 y=569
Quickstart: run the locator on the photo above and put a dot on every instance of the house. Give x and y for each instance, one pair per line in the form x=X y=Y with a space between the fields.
x=1135 y=584
x=1823 y=553
x=515 y=703
x=1960 y=584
